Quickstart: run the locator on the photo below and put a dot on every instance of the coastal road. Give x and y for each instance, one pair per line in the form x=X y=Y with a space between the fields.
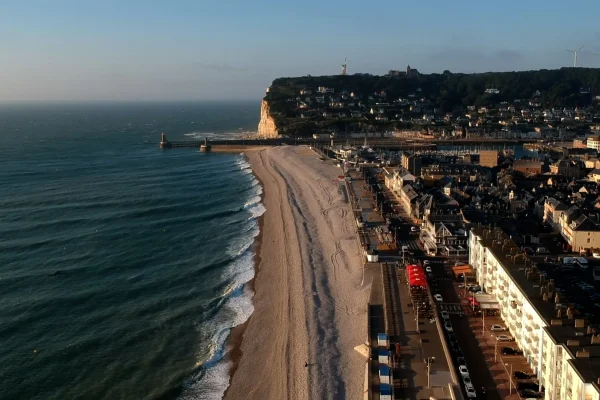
x=442 y=283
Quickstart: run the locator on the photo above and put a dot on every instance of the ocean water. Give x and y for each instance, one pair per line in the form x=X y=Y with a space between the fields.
x=122 y=266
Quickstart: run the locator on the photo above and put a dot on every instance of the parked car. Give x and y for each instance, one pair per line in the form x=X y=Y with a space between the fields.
x=463 y=370
x=530 y=394
x=438 y=297
x=460 y=361
x=542 y=250
x=475 y=288
x=529 y=386
x=461 y=285
x=527 y=250
x=497 y=328
x=596 y=255
x=448 y=326
x=414 y=229
x=511 y=351
x=428 y=269
x=471 y=392
x=455 y=347
x=467 y=381
x=521 y=375
x=445 y=315
x=504 y=338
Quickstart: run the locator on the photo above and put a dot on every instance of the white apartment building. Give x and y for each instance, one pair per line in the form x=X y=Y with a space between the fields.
x=593 y=142
x=560 y=346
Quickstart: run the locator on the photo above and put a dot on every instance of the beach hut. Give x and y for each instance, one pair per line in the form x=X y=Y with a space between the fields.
x=383 y=357
x=384 y=374
x=385 y=391
x=382 y=340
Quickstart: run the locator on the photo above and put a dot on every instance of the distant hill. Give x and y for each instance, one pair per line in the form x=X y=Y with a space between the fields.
x=398 y=100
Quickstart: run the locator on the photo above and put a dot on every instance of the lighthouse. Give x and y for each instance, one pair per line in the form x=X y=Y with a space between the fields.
x=164 y=143
x=205 y=147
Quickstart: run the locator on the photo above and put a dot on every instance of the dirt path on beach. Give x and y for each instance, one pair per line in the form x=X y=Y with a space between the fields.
x=309 y=304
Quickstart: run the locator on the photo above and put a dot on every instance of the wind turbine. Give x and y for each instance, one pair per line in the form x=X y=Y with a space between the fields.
x=575 y=56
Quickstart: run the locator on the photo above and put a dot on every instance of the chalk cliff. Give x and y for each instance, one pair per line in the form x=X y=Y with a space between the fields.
x=266 y=126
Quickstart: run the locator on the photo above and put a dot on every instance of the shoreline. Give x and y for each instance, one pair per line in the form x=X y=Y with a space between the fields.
x=308 y=295
x=236 y=336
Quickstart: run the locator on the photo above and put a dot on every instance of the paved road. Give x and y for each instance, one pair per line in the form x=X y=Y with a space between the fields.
x=442 y=283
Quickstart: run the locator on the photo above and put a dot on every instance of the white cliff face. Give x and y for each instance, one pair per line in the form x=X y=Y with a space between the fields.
x=266 y=126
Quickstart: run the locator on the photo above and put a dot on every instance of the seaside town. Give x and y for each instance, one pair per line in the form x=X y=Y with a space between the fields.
x=202 y=201
x=489 y=261
x=559 y=105
x=478 y=228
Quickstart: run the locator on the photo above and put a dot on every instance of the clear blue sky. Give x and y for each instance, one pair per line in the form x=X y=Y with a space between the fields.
x=231 y=49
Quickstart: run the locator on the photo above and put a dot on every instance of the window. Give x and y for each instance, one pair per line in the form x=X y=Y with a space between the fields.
x=588 y=240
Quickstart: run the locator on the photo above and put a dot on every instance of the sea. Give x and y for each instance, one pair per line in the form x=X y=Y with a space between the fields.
x=123 y=267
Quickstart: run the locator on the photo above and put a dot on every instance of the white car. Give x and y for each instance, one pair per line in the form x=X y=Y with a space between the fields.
x=497 y=328
x=461 y=285
x=471 y=392
x=445 y=315
x=467 y=381
x=426 y=262
x=463 y=370
x=504 y=338
x=414 y=229
x=438 y=297
x=428 y=269
x=448 y=326
x=596 y=255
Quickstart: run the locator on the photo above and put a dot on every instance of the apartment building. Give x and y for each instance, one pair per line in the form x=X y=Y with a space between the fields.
x=560 y=345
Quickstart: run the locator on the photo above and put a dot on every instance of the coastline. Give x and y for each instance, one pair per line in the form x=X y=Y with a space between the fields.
x=234 y=341
x=308 y=300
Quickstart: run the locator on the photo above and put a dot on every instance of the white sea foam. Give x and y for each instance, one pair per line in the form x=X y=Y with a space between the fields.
x=256 y=190
x=257 y=210
x=238 y=248
x=211 y=381
x=252 y=201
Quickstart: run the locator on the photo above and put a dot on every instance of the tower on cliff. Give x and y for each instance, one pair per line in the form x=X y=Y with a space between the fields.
x=345 y=67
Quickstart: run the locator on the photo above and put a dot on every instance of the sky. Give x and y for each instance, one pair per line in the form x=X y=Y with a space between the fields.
x=133 y=50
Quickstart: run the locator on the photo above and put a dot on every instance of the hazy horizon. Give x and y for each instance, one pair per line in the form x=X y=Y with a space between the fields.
x=67 y=51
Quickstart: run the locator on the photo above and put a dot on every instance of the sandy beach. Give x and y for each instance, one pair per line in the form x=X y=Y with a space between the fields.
x=309 y=303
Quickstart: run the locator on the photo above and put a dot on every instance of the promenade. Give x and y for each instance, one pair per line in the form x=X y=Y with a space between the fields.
x=416 y=343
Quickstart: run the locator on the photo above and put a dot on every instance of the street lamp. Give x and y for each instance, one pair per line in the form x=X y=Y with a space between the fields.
x=417 y=318
x=429 y=361
x=495 y=349
x=483 y=326
x=509 y=378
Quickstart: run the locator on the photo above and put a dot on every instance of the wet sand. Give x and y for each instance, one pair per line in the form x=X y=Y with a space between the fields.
x=309 y=304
